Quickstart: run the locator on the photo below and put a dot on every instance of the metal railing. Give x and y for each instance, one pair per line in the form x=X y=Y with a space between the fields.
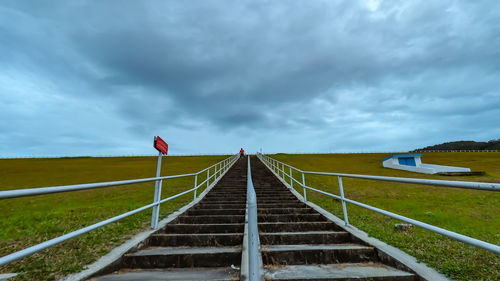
x=278 y=168
x=253 y=232
x=219 y=169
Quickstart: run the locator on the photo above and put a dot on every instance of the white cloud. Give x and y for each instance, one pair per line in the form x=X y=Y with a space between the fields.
x=215 y=76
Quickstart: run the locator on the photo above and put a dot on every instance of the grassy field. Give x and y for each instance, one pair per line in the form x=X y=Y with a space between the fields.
x=470 y=212
x=31 y=220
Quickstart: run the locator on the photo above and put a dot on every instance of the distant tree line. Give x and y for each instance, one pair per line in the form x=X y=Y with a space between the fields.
x=463 y=145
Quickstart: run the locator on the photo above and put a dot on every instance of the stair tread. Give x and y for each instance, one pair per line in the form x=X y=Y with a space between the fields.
x=303 y=232
x=157 y=251
x=297 y=222
x=214 y=215
x=333 y=271
x=216 y=273
x=207 y=224
x=308 y=247
x=195 y=234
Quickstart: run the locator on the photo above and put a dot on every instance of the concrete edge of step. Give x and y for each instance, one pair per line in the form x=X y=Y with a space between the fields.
x=115 y=254
x=7 y=276
x=420 y=268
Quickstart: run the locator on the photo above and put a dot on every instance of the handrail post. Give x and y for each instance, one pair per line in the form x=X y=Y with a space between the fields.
x=253 y=231
x=291 y=178
x=344 y=208
x=195 y=186
x=157 y=195
x=304 y=186
x=208 y=177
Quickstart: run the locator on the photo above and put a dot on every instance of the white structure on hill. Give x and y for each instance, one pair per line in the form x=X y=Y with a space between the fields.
x=413 y=163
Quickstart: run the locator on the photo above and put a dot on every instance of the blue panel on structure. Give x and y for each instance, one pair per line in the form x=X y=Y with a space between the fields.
x=402 y=155
x=407 y=161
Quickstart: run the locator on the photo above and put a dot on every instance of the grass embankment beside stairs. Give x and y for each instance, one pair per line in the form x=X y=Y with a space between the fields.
x=27 y=221
x=470 y=212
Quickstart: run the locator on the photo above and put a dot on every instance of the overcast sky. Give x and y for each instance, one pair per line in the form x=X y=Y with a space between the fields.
x=104 y=77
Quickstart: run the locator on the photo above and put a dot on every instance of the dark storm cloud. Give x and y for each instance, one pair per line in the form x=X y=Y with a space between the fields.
x=339 y=73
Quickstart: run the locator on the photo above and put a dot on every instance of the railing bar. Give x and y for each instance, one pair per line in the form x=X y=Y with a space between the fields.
x=323 y=192
x=466 y=239
x=253 y=232
x=297 y=181
x=75 y=187
x=65 y=188
x=458 y=184
x=36 y=248
x=35 y=191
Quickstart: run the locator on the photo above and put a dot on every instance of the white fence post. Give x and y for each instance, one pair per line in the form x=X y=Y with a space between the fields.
x=304 y=186
x=208 y=177
x=344 y=208
x=195 y=186
x=157 y=196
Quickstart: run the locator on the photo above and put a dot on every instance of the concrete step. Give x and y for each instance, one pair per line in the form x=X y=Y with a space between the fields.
x=278 y=201
x=204 y=212
x=211 y=219
x=212 y=274
x=224 y=201
x=274 y=193
x=276 y=197
x=165 y=257
x=337 y=272
x=281 y=205
x=308 y=237
x=220 y=206
x=291 y=218
x=303 y=226
x=285 y=211
x=224 y=198
x=271 y=192
x=228 y=183
x=195 y=240
x=204 y=228
x=317 y=254
x=242 y=193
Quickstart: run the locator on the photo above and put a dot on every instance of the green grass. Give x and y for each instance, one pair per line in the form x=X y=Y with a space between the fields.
x=31 y=220
x=469 y=212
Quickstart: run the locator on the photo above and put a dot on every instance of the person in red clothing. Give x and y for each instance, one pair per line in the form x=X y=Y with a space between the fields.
x=242 y=152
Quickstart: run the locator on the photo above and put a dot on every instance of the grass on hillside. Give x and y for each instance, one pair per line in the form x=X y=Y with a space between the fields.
x=470 y=212
x=31 y=220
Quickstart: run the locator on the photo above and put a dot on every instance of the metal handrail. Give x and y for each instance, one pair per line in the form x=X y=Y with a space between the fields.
x=227 y=163
x=274 y=166
x=6 y=194
x=253 y=232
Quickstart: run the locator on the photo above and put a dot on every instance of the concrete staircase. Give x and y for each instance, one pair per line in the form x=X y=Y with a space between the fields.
x=204 y=243
x=297 y=243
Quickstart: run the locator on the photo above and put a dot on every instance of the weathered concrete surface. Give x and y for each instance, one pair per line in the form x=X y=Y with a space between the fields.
x=129 y=245
x=307 y=245
x=355 y=271
x=6 y=276
x=223 y=273
x=385 y=252
x=193 y=244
